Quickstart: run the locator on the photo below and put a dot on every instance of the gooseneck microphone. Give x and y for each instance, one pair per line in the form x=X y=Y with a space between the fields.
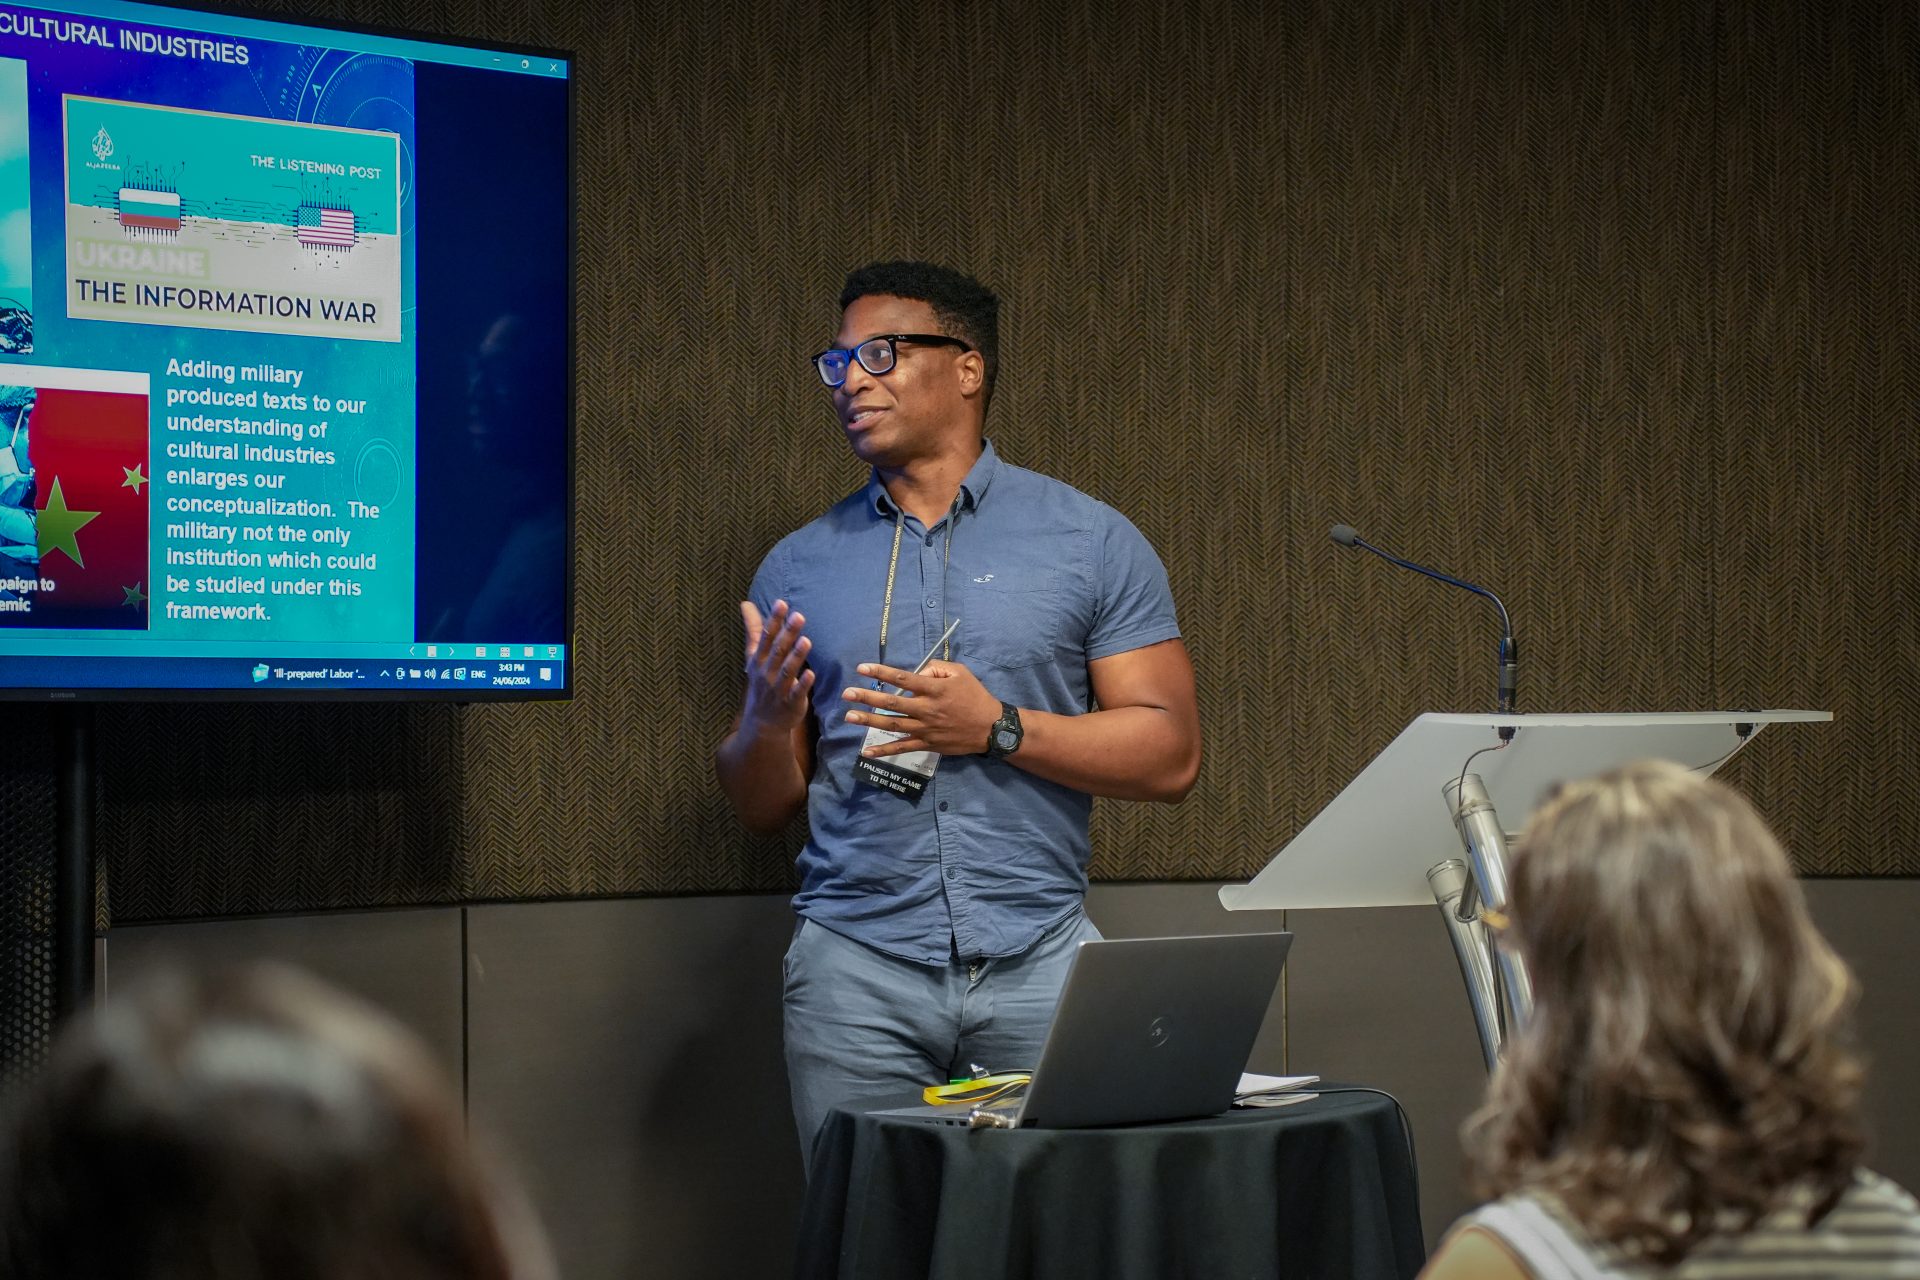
x=1345 y=535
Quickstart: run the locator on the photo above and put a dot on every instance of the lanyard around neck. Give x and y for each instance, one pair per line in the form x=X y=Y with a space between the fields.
x=893 y=566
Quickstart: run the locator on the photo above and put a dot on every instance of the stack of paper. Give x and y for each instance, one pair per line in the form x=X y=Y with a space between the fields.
x=1272 y=1091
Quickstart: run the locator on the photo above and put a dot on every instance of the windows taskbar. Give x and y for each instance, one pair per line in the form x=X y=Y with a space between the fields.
x=46 y=676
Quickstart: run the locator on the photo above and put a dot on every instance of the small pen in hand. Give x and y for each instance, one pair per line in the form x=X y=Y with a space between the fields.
x=944 y=637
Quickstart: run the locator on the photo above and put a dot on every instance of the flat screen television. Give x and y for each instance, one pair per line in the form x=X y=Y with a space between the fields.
x=286 y=346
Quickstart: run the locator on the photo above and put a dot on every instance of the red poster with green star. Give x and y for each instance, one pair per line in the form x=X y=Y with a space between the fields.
x=89 y=460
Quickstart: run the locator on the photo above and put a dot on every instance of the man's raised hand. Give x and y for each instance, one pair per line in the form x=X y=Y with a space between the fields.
x=778 y=677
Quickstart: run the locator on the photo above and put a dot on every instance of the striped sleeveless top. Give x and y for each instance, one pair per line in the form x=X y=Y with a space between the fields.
x=1874 y=1231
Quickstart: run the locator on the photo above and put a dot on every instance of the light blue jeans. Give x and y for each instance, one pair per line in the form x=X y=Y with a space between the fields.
x=862 y=1025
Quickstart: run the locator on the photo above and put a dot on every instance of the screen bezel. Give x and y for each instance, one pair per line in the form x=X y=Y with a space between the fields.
x=562 y=690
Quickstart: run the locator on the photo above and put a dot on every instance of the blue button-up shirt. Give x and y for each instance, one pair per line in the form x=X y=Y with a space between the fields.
x=1045 y=580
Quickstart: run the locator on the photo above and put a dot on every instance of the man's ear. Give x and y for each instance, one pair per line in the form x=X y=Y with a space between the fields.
x=973 y=372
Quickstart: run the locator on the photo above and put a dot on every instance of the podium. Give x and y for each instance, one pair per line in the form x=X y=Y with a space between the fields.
x=1394 y=837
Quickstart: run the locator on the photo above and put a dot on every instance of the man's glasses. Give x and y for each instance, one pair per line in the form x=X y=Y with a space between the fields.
x=876 y=355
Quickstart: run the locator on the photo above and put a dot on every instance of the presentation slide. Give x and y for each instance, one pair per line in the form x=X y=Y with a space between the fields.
x=227 y=415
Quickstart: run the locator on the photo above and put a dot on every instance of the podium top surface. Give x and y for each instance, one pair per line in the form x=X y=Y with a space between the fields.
x=1625 y=719
x=1374 y=842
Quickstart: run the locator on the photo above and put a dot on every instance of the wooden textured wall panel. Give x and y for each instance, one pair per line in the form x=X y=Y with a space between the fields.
x=1817 y=383
x=1610 y=306
x=1496 y=332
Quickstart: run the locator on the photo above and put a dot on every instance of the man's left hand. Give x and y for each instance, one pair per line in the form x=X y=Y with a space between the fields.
x=949 y=712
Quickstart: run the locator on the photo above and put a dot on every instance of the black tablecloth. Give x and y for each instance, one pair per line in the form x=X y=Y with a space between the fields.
x=1323 y=1189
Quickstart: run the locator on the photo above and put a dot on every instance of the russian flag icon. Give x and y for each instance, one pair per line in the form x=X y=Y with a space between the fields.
x=149 y=210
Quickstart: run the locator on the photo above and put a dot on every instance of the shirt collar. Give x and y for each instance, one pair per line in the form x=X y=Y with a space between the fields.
x=973 y=489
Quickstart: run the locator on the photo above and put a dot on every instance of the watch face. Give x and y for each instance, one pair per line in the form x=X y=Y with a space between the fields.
x=1007 y=739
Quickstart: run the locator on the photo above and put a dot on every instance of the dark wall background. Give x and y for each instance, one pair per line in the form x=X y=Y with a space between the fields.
x=1610 y=306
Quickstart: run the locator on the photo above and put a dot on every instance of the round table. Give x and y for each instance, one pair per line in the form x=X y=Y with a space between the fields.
x=1323 y=1188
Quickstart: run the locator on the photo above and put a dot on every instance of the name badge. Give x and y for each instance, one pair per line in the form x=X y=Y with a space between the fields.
x=904 y=775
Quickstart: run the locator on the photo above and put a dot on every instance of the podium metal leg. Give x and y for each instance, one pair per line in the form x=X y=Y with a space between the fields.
x=1473 y=952
x=1450 y=881
x=1480 y=831
x=1483 y=881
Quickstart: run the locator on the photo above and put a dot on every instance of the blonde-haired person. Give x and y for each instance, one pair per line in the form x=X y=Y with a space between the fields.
x=1683 y=1102
x=246 y=1125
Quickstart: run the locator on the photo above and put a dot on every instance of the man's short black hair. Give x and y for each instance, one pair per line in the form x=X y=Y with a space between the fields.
x=967 y=309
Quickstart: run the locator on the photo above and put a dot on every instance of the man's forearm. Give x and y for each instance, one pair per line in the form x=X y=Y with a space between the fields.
x=762 y=778
x=1129 y=753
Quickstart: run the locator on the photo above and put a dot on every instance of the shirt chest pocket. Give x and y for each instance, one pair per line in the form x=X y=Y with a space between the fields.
x=1015 y=620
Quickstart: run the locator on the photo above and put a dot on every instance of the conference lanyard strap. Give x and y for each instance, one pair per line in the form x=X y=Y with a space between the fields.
x=893 y=566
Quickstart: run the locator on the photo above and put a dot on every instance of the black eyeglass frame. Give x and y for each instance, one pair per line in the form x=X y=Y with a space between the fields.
x=853 y=353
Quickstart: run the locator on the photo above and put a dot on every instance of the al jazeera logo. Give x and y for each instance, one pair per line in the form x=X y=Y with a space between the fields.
x=102 y=150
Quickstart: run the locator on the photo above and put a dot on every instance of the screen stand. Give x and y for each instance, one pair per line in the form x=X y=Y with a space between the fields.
x=73 y=886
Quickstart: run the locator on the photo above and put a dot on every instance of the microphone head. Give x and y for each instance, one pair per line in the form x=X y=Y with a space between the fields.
x=1345 y=535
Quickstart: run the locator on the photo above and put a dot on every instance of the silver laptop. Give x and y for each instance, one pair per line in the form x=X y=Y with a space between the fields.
x=1146 y=1029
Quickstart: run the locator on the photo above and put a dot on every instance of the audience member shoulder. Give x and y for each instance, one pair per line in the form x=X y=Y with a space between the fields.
x=1473 y=1254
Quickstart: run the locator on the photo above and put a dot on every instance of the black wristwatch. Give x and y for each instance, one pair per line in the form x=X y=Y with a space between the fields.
x=1004 y=738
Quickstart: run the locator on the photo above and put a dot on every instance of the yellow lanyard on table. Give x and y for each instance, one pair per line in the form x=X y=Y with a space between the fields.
x=977 y=1090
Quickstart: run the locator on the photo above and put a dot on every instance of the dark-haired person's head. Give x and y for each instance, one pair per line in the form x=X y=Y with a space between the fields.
x=965 y=308
x=1687 y=1062
x=915 y=358
x=247 y=1126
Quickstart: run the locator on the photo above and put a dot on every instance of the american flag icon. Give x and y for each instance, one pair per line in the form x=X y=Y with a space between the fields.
x=325 y=228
